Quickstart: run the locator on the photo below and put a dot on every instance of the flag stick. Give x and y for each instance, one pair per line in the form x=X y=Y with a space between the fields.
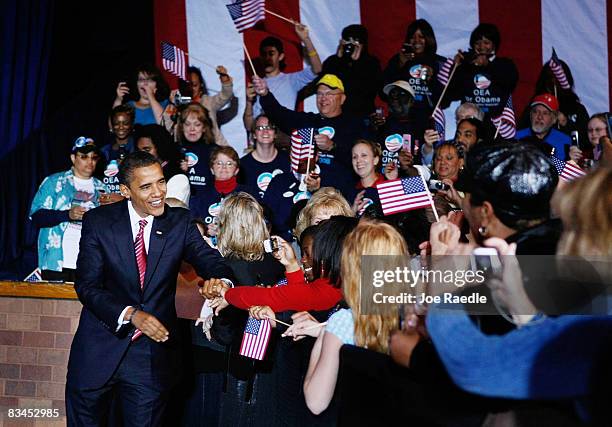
x=497 y=129
x=433 y=205
x=276 y=320
x=200 y=61
x=291 y=21
x=318 y=325
x=309 y=153
x=450 y=77
x=249 y=58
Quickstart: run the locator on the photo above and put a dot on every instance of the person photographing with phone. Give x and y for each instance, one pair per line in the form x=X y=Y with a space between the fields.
x=482 y=77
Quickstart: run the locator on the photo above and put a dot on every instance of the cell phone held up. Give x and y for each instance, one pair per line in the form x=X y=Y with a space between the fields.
x=271 y=245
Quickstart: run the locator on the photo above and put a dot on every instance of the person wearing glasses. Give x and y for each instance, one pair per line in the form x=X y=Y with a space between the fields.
x=151 y=98
x=58 y=208
x=265 y=161
x=224 y=166
x=336 y=130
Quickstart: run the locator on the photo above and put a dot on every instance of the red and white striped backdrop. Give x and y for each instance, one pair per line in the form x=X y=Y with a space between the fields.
x=529 y=29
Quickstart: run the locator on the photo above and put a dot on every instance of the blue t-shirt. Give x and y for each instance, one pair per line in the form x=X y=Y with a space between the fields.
x=207 y=203
x=145 y=116
x=258 y=175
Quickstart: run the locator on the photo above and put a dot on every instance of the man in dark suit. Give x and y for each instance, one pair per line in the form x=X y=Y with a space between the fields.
x=129 y=258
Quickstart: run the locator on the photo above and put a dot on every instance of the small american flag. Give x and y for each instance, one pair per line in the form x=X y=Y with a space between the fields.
x=558 y=71
x=566 y=170
x=246 y=13
x=445 y=70
x=282 y=282
x=401 y=195
x=255 y=338
x=34 y=276
x=302 y=146
x=173 y=60
x=506 y=122
x=439 y=122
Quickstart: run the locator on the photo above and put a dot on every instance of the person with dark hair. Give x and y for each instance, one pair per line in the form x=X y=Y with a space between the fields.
x=285 y=86
x=359 y=70
x=154 y=139
x=483 y=78
x=122 y=125
x=265 y=161
x=151 y=98
x=58 y=208
x=321 y=294
x=126 y=346
x=508 y=191
x=418 y=64
x=470 y=131
x=543 y=112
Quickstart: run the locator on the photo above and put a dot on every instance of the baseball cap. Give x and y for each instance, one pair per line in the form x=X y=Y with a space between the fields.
x=547 y=100
x=331 y=81
x=84 y=145
x=403 y=84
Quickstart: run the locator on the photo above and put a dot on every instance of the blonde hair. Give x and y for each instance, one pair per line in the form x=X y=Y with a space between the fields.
x=585 y=207
x=372 y=331
x=242 y=228
x=326 y=199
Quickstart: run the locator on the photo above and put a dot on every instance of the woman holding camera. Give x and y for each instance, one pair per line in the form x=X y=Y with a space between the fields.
x=482 y=77
x=366 y=157
x=418 y=64
x=151 y=98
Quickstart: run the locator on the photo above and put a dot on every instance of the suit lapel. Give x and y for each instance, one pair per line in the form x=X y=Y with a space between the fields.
x=157 y=242
x=122 y=236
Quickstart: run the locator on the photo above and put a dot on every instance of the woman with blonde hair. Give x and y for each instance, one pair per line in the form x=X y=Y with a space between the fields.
x=323 y=204
x=349 y=326
x=223 y=378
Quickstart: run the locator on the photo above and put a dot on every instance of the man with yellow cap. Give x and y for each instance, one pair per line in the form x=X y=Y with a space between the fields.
x=336 y=131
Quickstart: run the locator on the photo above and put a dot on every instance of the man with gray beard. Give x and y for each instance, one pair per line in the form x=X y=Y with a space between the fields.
x=543 y=116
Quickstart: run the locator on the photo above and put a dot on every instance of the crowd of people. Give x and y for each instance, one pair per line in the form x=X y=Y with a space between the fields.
x=169 y=164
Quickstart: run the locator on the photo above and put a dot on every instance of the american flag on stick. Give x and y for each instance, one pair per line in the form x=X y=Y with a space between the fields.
x=558 y=71
x=302 y=146
x=566 y=170
x=173 y=60
x=445 y=70
x=255 y=338
x=439 y=122
x=506 y=122
x=402 y=195
x=246 y=13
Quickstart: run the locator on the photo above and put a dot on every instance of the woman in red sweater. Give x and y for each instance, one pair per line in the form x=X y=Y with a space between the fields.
x=321 y=294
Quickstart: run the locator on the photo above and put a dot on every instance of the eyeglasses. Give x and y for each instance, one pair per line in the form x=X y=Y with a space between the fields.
x=327 y=94
x=84 y=156
x=592 y=130
x=145 y=80
x=265 y=128
x=227 y=164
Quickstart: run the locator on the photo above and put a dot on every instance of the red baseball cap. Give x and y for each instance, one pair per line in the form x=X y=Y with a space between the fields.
x=547 y=100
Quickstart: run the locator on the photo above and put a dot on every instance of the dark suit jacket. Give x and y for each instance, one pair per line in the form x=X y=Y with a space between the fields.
x=107 y=281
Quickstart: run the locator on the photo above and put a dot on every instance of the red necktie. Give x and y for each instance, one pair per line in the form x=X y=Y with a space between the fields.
x=141 y=261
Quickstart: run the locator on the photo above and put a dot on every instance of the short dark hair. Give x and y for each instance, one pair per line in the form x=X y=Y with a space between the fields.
x=327 y=247
x=488 y=31
x=123 y=109
x=135 y=160
x=167 y=150
x=276 y=43
x=150 y=70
